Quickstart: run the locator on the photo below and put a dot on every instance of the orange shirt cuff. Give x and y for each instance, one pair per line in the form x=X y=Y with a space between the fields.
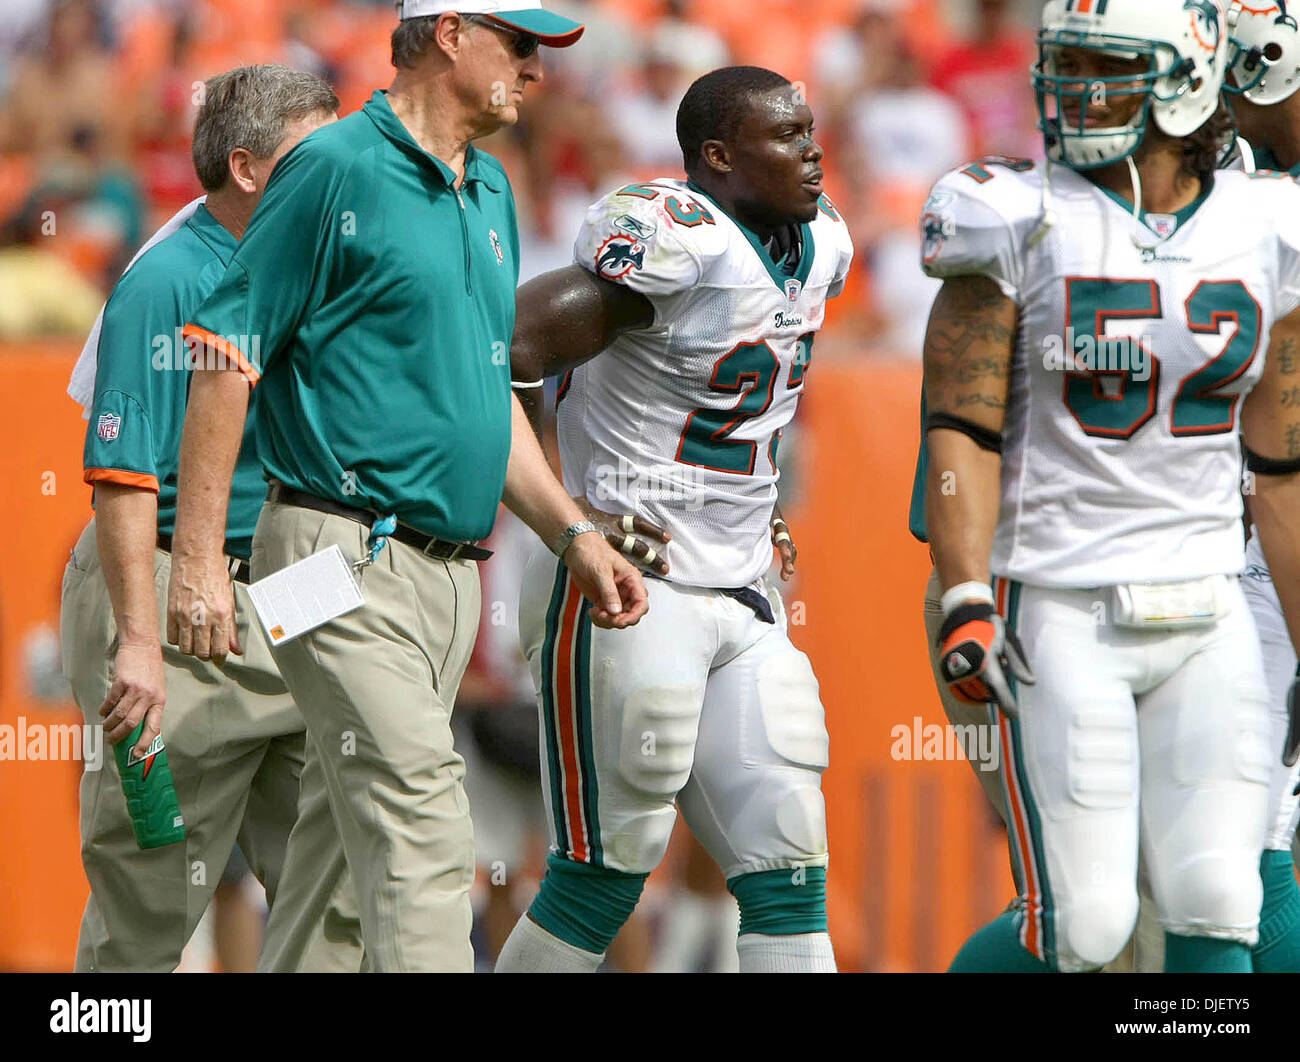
x=226 y=349
x=117 y=475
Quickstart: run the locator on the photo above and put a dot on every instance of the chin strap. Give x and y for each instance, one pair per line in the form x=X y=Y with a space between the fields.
x=1048 y=211
x=1247 y=154
x=1137 y=208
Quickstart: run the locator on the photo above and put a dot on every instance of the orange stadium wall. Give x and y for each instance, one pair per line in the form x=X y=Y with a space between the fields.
x=917 y=858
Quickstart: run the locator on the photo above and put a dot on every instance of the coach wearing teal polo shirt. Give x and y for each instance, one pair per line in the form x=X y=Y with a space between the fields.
x=371 y=303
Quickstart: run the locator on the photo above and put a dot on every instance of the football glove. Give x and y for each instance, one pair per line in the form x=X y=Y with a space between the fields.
x=977 y=652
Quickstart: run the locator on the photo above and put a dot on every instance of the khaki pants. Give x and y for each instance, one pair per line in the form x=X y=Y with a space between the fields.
x=377 y=687
x=235 y=746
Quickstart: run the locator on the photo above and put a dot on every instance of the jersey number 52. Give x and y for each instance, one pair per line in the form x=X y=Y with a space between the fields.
x=1198 y=408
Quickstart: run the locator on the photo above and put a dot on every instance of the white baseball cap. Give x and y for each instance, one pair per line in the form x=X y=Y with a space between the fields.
x=527 y=16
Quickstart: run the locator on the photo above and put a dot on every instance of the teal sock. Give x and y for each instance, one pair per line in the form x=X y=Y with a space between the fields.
x=1204 y=955
x=781 y=903
x=1278 y=950
x=996 y=948
x=584 y=905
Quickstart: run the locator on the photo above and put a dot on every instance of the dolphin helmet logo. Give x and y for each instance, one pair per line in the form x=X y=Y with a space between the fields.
x=1207 y=22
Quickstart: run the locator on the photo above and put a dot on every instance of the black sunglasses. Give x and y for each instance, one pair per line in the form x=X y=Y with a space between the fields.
x=525 y=44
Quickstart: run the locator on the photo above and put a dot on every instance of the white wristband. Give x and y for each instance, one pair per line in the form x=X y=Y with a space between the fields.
x=527 y=385
x=964 y=592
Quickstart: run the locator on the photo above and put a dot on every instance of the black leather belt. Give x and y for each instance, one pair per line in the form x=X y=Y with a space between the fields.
x=430 y=546
x=240 y=570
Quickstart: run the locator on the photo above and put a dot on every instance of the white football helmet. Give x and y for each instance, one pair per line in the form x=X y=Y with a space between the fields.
x=1265 y=50
x=1185 y=43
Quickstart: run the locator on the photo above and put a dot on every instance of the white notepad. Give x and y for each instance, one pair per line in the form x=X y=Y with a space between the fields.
x=301 y=597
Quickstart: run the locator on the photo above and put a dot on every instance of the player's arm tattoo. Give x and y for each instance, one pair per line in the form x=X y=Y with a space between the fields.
x=968 y=351
x=566 y=317
x=1270 y=416
x=1270 y=425
x=1286 y=353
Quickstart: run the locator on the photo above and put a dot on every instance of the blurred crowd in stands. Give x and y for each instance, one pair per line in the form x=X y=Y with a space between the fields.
x=97 y=100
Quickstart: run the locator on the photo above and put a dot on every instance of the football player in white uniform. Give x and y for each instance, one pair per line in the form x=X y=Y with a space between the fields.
x=702 y=299
x=1100 y=334
x=1262 y=84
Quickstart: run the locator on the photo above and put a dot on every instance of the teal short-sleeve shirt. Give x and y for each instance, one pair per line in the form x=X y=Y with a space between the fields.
x=372 y=304
x=142 y=378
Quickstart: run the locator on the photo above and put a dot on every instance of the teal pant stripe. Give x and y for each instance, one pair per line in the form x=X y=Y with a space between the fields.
x=1034 y=822
x=582 y=682
x=1018 y=873
x=1017 y=867
x=548 y=705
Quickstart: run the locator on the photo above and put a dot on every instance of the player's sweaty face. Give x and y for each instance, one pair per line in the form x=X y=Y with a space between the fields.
x=776 y=160
x=1091 y=76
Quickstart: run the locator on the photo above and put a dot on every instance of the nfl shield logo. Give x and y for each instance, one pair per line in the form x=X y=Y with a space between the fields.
x=109 y=425
x=792 y=290
x=496 y=246
x=1162 y=225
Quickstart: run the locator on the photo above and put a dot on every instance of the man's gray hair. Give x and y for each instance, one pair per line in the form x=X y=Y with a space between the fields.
x=249 y=107
x=412 y=38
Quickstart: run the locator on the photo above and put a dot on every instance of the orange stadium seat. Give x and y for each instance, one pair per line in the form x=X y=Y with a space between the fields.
x=146 y=44
x=17 y=178
x=232 y=34
x=642 y=12
x=365 y=62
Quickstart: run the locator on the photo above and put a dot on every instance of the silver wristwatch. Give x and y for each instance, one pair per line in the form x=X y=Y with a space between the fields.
x=569 y=534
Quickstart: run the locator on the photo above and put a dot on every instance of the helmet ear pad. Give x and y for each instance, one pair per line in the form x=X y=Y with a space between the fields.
x=1187 y=98
x=1266 y=52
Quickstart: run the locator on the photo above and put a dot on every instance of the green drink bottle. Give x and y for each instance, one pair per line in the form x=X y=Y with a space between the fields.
x=150 y=793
